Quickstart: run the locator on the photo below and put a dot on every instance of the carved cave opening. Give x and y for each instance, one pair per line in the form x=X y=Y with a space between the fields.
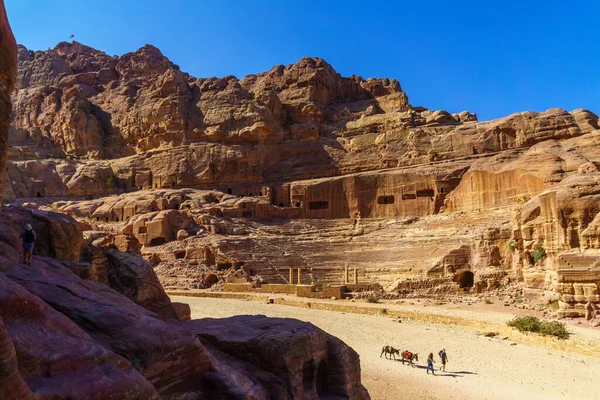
x=318 y=205
x=223 y=266
x=179 y=254
x=425 y=193
x=385 y=200
x=466 y=280
x=210 y=280
x=142 y=229
x=157 y=241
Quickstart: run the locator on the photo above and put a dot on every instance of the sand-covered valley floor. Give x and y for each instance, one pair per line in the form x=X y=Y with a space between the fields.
x=479 y=368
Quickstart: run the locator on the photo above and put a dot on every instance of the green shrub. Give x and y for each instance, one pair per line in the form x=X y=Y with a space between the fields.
x=534 y=324
x=488 y=301
x=511 y=246
x=373 y=299
x=519 y=299
x=554 y=328
x=383 y=310
x=111 y=181
x=525 y=324
x=538 y=255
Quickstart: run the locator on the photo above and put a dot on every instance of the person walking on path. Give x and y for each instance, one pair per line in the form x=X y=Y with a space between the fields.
x=444 y=359
x=28 y=236
x=430 y=364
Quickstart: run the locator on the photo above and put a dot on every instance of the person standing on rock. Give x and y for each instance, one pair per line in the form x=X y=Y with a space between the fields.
x=444 y=359
x=430 y=364
x=28 y=236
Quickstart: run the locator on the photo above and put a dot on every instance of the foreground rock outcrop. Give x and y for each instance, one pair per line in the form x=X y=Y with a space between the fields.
x=8 y=74
x=82 y=339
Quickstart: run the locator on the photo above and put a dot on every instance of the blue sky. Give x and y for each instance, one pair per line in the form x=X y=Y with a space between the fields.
x=493 y=58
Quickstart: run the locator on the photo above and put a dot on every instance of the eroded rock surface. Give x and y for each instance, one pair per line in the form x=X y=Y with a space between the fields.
x=284 y=358
x=8 y=74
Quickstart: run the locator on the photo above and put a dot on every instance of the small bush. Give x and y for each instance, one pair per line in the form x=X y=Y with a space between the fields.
x=538 y=255
x=383 y=311
x=111 y=181
x=554 y=328
x=511 y=246
x=488 y=301
x=373 y=299
x=534 y=324
x=519 y=299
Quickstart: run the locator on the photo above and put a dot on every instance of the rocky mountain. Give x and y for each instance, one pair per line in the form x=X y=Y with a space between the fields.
x=84 y=117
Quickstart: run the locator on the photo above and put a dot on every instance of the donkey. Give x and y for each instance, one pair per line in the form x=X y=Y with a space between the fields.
x=389 y=350
x=410 y=357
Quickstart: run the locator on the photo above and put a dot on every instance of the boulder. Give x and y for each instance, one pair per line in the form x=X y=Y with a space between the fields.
x=280 y=358
x=182 y=310
x=169 y=357
x=56 y=358
x=132 y=276
x=182 y=234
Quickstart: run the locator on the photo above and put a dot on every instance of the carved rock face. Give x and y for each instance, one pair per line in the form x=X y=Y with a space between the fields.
x=8 y=74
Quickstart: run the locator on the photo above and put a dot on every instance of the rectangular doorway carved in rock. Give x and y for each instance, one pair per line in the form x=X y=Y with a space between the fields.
x=318 y=205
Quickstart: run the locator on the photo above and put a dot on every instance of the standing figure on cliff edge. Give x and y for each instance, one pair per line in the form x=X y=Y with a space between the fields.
x=28 y=236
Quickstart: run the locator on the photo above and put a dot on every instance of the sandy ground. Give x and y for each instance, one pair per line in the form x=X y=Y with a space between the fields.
x=478 y=367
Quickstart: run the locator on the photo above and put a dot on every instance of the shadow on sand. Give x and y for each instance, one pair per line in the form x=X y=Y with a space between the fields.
x=456 y=374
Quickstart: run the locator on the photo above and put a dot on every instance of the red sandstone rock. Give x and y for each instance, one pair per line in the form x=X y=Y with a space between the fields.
x=280 y=358
x=57 y=359
x=132 y=276
x=8 y=74
x=170 y=358
x=12 y=385
x=59 y=235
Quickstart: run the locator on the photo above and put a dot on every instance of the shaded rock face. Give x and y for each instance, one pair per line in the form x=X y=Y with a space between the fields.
x=133 y=276
x=57 y=358
x=280 y=358
x=59 y=236
x=8 y=73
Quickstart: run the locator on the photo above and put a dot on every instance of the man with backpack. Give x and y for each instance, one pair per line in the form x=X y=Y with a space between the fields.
x=28 y=236
x=444 y=359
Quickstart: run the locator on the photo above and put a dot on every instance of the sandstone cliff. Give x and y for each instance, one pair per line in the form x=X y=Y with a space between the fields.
x=300 y=142
x=156 y=126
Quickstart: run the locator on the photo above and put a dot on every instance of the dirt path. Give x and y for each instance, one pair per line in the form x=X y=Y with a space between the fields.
x=478 y=367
